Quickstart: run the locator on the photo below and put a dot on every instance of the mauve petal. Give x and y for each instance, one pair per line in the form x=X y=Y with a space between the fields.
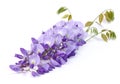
x=19 y=56
x=62 y=61
x=45 y=57
x=34 y=41
x=49 y=32
x=19 y=62
x=34 y=59
x=58 y=39
x=46 y=66
x=15 y=68
x=62 y=31
x=49 y=40
x=72 y=54
x=45 y=46
x=61 y=54
x=41 y=70
x=37 y=48
x=40 y=48
x=60 y=24
x=78 y=24
x=24 y=52
x=34 y=73
x=32 y=66
x=70 y=48
x=55 y=63
x=80 y=43
x=51 y=66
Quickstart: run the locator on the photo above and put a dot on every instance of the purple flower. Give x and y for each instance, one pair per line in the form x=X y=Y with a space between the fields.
x=46 y=67
x=34 y=41
x=32 y=65
x=34 y=73
x=19 y=56
x=41 y=70
x=24 y=52
x=54 y=63
x=15 y=68
x=52 y=49
x=37 y=48
x=34 y=59
x=80 y=43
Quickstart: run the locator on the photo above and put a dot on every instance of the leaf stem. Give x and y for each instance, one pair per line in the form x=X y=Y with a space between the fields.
x=96 y=19
x=96 y=35
x=69 y=11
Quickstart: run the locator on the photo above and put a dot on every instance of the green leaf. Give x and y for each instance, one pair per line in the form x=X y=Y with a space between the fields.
x=101 y=18
x=91 y=30
x=88 y=24
x=104 y=30
x=108 y=34
x=109 y=15
x=87 y=30
x=104 y=37
x=65 y=16
x=61 y=10
x=112 y=35
x=95 y=31
x=69 y=17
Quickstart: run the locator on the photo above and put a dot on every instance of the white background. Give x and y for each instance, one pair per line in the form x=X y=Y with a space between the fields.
x=96 y=62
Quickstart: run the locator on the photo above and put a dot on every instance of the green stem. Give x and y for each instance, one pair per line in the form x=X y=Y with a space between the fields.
x=96 y=19
x=69 y=11
x=95 y=35
x=98 y=24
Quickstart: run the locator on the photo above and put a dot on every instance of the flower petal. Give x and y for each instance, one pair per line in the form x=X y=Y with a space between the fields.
x=24 y=52
x=54 y=63
x=34 y=59
x=19 y=56
x=34 y=41
x=15 y=68
x=34 y=73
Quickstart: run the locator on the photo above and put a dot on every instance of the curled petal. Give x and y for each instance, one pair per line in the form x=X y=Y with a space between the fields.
x=34 y=59
x=24 y=52
x=55 y=63
x=19 y=56
x=34 y=41
x=80 y=43
x=15 y=68
x=34 y=73
x=41 y=70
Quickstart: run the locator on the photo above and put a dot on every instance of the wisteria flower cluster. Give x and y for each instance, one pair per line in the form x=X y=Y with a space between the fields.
x=55 y=46
x=52 y=49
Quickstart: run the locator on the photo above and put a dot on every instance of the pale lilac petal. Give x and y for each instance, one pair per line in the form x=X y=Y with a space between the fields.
x=46 y=66
x=62 y=61
x=55 y=63
x=58 y=39
x=37 y=48
x=34 y=59
x=60 y=24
